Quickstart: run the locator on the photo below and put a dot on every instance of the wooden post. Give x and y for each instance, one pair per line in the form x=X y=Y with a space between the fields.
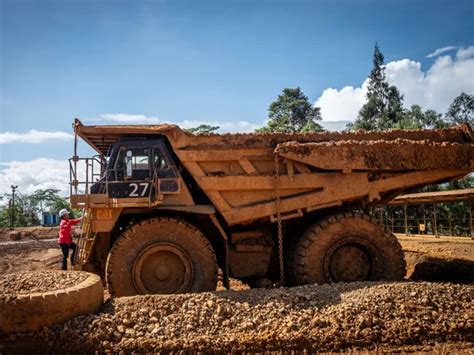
x=435 y=222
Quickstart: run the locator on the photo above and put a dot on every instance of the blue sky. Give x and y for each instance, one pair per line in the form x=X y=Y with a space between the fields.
x=221 y=62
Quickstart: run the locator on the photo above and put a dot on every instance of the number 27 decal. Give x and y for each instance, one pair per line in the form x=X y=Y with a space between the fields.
x=135 y=188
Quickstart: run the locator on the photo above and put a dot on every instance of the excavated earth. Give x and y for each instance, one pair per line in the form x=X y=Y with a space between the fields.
x=363 y=315
x=26 y=282
x=406 y=316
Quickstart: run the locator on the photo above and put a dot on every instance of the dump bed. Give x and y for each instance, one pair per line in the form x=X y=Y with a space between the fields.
x=244 y=175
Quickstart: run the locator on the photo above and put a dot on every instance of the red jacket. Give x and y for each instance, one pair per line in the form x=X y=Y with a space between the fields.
x=65 y=230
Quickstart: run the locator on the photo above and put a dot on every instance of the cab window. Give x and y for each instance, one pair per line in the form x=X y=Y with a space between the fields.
x=136 y=161
x=159 y=160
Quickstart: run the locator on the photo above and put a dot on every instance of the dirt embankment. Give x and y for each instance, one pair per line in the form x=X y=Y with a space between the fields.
x=37 y=249
x=439 y=259
x=30 y=233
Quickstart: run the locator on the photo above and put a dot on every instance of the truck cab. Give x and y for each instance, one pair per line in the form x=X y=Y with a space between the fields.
x=137 y=168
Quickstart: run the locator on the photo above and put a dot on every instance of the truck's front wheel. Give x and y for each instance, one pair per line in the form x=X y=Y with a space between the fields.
x=345 y=248
x=161 y=255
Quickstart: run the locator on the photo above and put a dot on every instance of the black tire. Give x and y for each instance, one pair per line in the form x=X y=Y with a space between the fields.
x=345 y=248
x=161 y=255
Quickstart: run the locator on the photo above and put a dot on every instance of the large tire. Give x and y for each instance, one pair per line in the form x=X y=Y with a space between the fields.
x=161 y=255
x=31 y=312
x=345 y=248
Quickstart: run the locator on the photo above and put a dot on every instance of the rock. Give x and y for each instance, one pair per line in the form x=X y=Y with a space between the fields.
x=312 y=318
x=14 y=235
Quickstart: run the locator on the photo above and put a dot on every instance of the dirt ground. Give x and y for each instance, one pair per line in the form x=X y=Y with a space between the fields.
x=448 y=259
x=428 y=259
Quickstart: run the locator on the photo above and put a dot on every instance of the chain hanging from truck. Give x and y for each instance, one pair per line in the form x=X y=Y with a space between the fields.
x=279 y=224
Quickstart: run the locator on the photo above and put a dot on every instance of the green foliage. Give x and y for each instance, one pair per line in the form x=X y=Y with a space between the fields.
x=202 y=129
x=292 y=112
x=466 y=183
x=23 y=217
x=416 y=118
x=28 y=208
x=384 y=106
x=461 y=110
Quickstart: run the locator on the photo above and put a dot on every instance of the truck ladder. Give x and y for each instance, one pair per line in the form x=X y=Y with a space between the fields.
x=86 y=238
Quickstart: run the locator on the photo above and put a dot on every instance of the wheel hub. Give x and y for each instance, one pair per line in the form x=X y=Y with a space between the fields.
x=162 y=268
x=349 y=261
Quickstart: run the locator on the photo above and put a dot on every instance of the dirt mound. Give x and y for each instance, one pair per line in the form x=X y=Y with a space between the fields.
x=21 y=283
x=31 y=301
x=316 y=318
x=31 y=232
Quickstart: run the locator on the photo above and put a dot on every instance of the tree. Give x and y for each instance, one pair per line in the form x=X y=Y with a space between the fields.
x=384 y=106
x=416 y=118
x=28 y=208
x=292 y=112
x=461 y=110
x=203 y=129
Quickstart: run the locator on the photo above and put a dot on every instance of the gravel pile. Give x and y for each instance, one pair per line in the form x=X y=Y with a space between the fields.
x=316 y=318
x=20 y=283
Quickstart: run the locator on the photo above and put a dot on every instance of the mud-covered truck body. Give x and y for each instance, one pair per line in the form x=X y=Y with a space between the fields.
x=165 y=209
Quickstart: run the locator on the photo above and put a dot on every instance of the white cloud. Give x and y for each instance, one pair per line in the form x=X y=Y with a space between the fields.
x=464 y=53
x=36 y=174
x=434 y=88
x=225 y=126
x=33 y=136
x=128 y=118
x=341 y=105
x=439 y=51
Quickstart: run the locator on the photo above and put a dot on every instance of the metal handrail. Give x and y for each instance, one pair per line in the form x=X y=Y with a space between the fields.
x=92 y=177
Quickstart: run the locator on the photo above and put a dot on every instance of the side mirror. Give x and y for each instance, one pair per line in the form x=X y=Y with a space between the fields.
x=128 y=163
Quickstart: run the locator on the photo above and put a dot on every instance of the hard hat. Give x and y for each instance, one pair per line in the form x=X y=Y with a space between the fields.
x=63 y=212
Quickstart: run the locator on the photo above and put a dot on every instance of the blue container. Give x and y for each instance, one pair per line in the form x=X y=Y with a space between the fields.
x=49 y=219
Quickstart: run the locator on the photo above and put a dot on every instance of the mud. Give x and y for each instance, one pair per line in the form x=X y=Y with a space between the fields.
x=399 y=154
x=459 y=134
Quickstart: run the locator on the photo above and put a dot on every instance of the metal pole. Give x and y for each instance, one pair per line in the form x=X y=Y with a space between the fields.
x=405 y=218
x=450 y=224
x=12 y=206
x=470 y=220
x=435 y=222
x=392 y=221
x=424 y=218
x=75 y=158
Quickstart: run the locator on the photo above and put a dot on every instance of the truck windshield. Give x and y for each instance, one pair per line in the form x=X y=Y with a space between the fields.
x=136 y=162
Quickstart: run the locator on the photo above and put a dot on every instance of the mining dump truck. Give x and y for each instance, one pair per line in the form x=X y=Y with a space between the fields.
x=166 y=209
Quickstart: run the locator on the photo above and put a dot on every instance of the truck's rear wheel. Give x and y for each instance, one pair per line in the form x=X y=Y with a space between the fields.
x=345 y=248
x=161 y=255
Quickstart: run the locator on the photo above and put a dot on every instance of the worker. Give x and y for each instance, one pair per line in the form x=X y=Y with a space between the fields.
x=65 y=237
